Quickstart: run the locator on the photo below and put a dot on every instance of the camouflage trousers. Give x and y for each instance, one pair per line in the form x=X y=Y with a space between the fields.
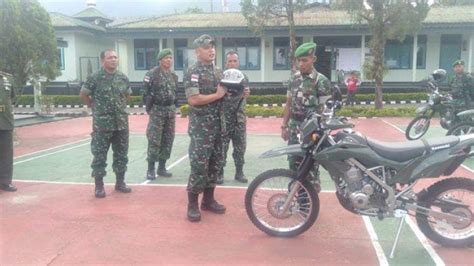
x=100 y=144
x=160 y=133
x=6 y=156
x=294 y=161
x=237 y=134
x=206 y=154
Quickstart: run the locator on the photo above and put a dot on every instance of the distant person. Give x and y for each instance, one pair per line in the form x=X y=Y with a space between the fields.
x=160 y=85
x=7 y=96
x=462 y=86
x=236 y=124
x=352 y=83
x=107 y=92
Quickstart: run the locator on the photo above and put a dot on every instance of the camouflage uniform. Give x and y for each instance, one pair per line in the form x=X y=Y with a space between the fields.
x=206 y=127
x=109 y=94
x=304 y=91
x=6 y=130
x=236 y=125
x=462 y=89
x=161 y=125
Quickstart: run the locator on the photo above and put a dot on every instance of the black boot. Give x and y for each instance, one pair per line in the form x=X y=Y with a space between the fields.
x=210 y=204
x=220 y=177
x=162 y=169
x=150 y=173
x=239 y=174
x=194 y=215
x=99 y=187
x=120 y=184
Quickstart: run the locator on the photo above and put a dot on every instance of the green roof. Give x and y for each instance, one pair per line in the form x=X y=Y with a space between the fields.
x=62 y=21
x=323 y=17
x=92 y=13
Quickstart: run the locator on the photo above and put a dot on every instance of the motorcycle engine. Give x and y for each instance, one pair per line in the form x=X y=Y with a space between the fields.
x=361 y=190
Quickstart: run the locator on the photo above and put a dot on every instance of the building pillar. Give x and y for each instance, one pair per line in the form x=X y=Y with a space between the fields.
x=470 y=54
x=362 y=56
x=415 y=50
x=262 y=59
x=160 y=44
x=121 y=50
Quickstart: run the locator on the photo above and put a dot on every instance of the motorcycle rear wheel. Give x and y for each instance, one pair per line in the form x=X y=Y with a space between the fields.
x=460 y=129
x=441 y=196
x=417 y=127
x=266 y=195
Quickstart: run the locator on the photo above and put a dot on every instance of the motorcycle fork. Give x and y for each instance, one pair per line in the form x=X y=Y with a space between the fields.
x=301 y=174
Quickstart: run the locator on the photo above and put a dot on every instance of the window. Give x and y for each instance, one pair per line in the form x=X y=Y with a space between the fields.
x=60 y=51
x=281 y=49
x=146 y=51
x=248 y=50
x=421 y=52
x=398 y=55
x=180 y=54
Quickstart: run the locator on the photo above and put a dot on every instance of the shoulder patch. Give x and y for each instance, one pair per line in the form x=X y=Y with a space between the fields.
x=194 y=77
x=146 y=79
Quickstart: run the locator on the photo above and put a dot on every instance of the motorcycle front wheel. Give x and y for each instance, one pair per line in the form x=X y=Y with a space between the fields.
x=453 y=196
x=266 y=196
x=460 y=129
x=417 y=127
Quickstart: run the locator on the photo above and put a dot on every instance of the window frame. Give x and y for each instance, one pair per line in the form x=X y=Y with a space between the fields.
x=177 y=48
x=299 y=41
x=409 y=41
x=144 y=50
x=61 y=62
x=246 y=46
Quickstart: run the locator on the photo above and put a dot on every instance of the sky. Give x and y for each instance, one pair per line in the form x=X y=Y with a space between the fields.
x=136 y=8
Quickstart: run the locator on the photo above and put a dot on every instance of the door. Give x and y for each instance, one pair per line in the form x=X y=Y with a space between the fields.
x=450 y=51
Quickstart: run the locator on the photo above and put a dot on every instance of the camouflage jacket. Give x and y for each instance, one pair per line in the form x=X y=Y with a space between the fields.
x=109 y=94
x=203 y=79
x=462 y=88
x=305 y=91
x=161 y=86
x=6 y=97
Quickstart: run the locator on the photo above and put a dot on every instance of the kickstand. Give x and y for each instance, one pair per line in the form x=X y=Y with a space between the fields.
x=401 y=214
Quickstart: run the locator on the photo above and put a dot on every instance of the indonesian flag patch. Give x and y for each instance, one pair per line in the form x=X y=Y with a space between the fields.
x=146 y=79
x=194 y=77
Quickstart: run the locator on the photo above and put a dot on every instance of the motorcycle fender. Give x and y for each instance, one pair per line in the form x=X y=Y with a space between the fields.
x=422 y=109
x=294 y=149
x=466 y=113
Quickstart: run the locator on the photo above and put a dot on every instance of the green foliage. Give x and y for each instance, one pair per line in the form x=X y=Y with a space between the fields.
x=412 y=96
x=64 y=100
x=454 y=2
x=373 y=112
x=266 y=99
x=193 y=10
x=27 y=41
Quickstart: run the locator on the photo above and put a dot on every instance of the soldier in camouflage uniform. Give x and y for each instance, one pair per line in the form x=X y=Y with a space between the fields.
x=305 y=93
x=206 y=127
x=7 y=95
x=160 y=85
x=107 y=92
x=462 y=87
x=236 y=124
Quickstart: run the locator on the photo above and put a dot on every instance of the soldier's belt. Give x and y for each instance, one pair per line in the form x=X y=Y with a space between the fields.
x=297 y=116
x=2 y=108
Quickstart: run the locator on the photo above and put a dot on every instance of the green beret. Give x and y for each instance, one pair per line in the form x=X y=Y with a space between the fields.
x=164 y=52
x=458 y=62
x=203 y=40
x=305 y=49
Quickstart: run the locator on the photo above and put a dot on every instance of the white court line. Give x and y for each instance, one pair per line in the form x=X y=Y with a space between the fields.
x=169 y=167
x=51 y=153
x=375 y=242
x=52 y=148
x=436 y=258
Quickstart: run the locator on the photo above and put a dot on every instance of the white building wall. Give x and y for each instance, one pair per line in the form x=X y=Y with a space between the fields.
x=69 y=74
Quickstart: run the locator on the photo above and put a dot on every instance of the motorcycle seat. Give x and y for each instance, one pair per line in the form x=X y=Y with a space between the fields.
x=404 y=151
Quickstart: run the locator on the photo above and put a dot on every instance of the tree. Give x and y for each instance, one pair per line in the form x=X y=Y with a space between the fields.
x=386 y=20
x=259 y=12
x=27 y=42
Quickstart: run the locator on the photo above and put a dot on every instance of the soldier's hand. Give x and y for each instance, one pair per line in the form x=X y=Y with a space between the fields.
x=221 y=91
x=246 y=92
x=285 y=135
